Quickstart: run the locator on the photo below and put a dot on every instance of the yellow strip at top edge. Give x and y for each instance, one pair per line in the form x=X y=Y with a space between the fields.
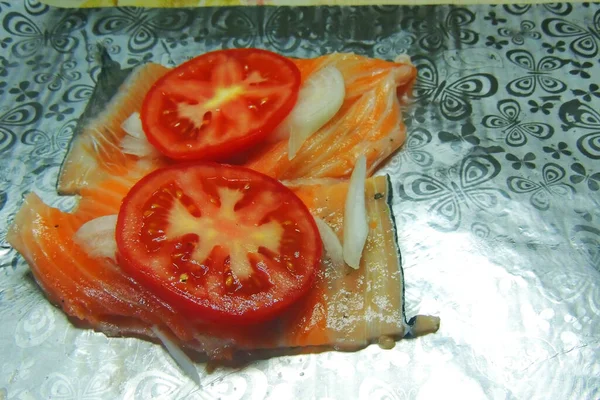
x=212 y=3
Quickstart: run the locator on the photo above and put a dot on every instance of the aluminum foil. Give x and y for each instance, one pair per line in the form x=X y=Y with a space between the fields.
x=496 y=198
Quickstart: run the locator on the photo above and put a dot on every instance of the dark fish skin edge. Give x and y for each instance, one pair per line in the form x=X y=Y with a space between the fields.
x=111 y=77
x=390 y=196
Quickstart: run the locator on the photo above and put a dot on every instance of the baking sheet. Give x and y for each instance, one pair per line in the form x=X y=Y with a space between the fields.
x=497 y=198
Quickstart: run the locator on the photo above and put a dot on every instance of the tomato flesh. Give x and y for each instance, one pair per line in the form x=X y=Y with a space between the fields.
x=225 y=243
x=219 y=104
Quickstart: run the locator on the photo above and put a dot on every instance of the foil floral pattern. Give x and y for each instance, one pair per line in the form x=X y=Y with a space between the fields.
x=496 y=197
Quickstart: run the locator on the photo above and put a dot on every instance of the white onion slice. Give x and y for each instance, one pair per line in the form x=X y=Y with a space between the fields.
x=184 y=362
x=331 y=242
x=403 y=59
x=319 y=99
x=356 y=228
x=138 y=147
x=97 y=237
x=133 y=125
x=135 y=142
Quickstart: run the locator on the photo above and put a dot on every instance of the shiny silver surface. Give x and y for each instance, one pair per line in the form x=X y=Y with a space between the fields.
x=498 y=220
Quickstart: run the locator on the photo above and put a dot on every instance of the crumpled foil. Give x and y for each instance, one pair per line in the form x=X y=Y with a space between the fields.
x=497 y=194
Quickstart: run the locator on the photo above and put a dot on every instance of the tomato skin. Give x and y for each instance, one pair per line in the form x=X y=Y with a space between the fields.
x=228 y=141
x=231 y=308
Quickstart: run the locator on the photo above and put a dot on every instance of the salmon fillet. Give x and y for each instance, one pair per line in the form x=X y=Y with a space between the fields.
x=369 y=122
x=346 y=308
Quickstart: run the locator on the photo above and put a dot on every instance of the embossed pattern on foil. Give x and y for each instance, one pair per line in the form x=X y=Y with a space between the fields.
x=497 y=198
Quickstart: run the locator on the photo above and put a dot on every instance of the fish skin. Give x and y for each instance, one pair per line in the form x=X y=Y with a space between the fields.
x=94 y=151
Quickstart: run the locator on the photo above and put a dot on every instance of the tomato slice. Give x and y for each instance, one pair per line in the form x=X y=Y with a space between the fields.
x=219 y=104
x=224 y=243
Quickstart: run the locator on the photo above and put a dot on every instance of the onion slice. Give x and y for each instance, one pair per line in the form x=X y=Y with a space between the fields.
x=319 y=99
x=403 y=59
x=331 y=242
x=184 y=362
x=133 y=125
x=355 y=215
x=135 y=142
x=97 y=237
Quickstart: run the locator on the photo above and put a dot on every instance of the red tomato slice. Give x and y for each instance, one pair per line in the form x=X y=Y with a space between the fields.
x=219 y=104
x=224 y=243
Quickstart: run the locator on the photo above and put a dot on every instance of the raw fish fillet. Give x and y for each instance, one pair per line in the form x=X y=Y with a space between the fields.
x=369 y=122
x=346 y=308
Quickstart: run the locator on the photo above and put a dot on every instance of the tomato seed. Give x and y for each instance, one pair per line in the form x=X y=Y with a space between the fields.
x=229 y=280
x=183 y=277
x=206 y=118
x=190 y=131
